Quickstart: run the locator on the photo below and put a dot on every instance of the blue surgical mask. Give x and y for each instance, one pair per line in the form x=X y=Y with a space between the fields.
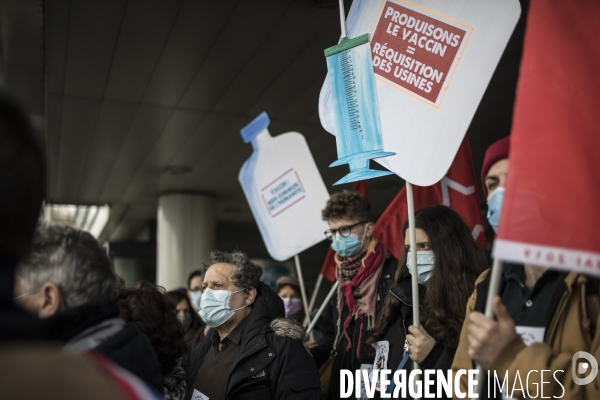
x=196 y=299
x=214 y=307
x=425 y=262
x=495 y=201
x=347 y=246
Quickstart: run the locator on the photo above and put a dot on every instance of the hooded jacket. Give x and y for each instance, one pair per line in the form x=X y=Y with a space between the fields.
x=569 y=331
x=270 y=344
x=97 y=326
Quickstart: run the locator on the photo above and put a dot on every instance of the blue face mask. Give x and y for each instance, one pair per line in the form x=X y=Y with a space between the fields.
x=425 y=261
x=215 y=310
x=196 y=299
x=347 y=246
x=495 y=201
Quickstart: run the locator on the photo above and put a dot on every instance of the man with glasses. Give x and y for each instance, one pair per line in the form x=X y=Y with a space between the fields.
x=365 y=271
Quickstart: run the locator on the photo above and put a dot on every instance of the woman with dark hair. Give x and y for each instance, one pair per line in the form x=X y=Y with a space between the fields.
x=449 y=261
x=193 y=326
x=154 y=314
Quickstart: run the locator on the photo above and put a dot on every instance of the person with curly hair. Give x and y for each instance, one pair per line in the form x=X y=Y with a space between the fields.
x=153 y=312
x=193 y=326
x=364 y=269
x=250 y=352
x=449 y=260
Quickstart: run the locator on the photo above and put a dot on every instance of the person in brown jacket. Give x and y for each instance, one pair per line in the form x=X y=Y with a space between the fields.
x=543 y=318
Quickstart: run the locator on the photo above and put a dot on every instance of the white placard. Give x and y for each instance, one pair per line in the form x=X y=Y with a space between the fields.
x=197 y=395
x=433 y=60
x=284 y=190
x=531 y=334
x=382 y=353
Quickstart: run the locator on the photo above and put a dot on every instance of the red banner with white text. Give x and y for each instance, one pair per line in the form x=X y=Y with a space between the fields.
x=550 y=213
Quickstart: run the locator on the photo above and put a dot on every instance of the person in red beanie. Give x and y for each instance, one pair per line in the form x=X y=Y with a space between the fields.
x=493 y=177
x=541 y=313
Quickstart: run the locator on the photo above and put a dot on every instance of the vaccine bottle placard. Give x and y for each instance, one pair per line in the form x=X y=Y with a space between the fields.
x=432 y=62
x=356 y=115
x=284 y=189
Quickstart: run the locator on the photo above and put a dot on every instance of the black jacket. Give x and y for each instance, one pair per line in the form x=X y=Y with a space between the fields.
x=349 y=359
x=440 y=357
x=129 y=347
x=268 y=344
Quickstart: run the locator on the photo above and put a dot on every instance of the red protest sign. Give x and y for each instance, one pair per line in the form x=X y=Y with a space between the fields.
x=550 y=213
x=456 y=190
x=417 y=51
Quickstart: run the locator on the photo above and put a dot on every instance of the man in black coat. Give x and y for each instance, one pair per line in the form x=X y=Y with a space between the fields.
x=68 y=281
x=250 y=353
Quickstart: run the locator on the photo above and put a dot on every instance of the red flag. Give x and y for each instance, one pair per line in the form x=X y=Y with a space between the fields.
x=328 y=268
x=457 y=190
x=550 y=213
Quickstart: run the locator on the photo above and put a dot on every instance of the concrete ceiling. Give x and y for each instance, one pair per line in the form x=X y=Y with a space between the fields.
x=129 y=88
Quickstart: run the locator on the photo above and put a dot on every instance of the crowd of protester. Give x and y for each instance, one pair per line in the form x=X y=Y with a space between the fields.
x=70 y=327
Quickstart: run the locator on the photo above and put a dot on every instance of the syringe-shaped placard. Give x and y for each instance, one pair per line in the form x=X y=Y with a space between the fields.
x=355 y=103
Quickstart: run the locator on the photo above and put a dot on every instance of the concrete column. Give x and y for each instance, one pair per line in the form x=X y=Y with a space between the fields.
x=185 y=235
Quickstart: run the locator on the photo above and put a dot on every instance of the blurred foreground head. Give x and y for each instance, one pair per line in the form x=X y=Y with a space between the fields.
x=66 y=268
x=22 y=182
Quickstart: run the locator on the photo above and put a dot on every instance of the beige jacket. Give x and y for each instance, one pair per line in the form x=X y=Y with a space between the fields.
x=42 y=371
x=568 y=332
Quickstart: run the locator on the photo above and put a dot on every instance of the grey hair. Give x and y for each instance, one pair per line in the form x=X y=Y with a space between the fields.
x=247 y=274
x=71 y=259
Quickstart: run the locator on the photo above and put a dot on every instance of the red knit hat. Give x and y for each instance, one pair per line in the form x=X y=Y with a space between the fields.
x=496 y=152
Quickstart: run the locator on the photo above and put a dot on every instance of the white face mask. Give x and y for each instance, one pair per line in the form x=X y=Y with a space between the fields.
x=214 y=307
x=425 y=262
x=196 y=298
x=495 y=201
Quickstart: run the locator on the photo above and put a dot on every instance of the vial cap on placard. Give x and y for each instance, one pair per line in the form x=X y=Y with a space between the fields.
x=255 y=127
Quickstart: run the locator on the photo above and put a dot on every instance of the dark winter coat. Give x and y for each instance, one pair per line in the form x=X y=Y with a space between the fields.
x=129 y=347
x=440 y=357
x=270 y=344
x=348 y=359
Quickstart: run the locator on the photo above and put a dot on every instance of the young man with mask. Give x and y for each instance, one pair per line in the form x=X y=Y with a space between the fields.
x=250 y=352
x=365 y=271
x=543 y=316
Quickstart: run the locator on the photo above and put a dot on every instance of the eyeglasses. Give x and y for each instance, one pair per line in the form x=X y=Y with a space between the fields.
x=344 y=231
x=26 y=294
